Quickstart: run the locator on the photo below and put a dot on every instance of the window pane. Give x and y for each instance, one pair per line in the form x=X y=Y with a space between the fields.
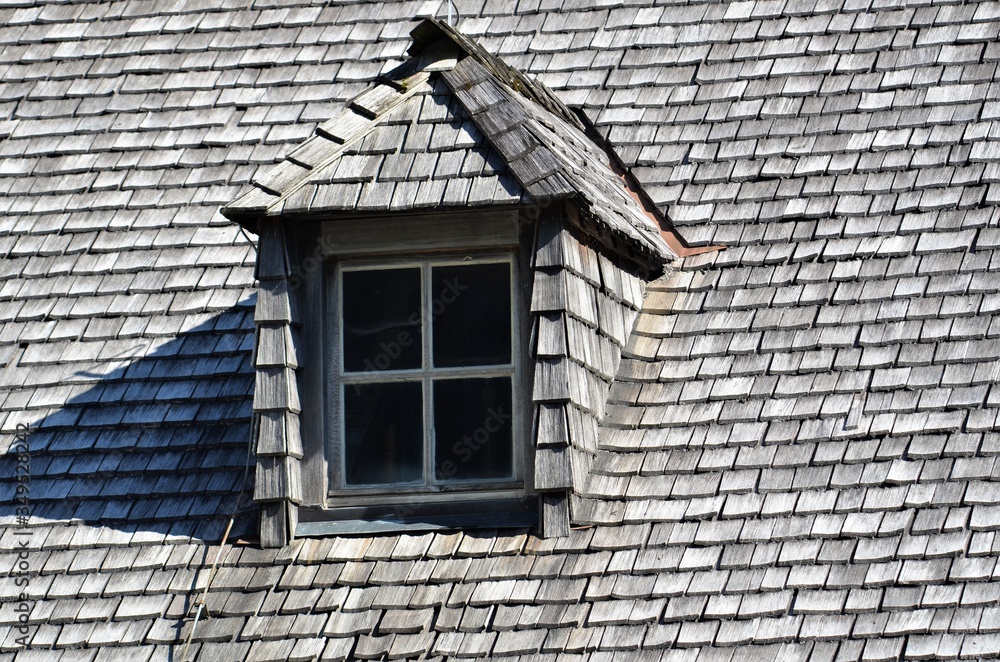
x=383 y=432
x=470 y=309
x=382 y=320
x=473 y=424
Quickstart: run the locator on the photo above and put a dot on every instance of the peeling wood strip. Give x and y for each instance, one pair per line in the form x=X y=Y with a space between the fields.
x=254 y=200
x=376 y=101
x=314 y=151
x=281 y=177
x=344 y=126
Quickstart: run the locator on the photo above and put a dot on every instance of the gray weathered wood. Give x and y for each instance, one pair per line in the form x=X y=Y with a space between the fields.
x=549 y=292
x=315 y=151
x=375 y=196
x=377 y=100
x=582 y=429
x=481 y=96
x=275 y=347
x=551 y=335
x=553 y=187
x=551 y=380
x=272 y=258
x=280 y=178
x=611 y=319
x=514 y=144
x=254 y=200
x=581 y=300
x=552 y=426
x=580 y=463
x=465 y=75
x=271 y=439
x=270 y=482
x=279 y=434
x=344 y=126
x=293 y=435
x=275 y=390
x=555 y=515
x=331 y=197
x=535 y=165
x=277 y=479
x=500 y=119
x=611 y=277
x=273 y=525
x=583 y=342
x=420 y=233
x=550 y=252
x=552 y=469
x=292 y=515
x=310 y=375
x=273 y=304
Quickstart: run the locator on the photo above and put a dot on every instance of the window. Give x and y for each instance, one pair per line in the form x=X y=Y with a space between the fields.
x=422 y=392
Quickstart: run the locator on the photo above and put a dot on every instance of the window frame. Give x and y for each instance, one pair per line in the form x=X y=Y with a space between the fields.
x=339 y=495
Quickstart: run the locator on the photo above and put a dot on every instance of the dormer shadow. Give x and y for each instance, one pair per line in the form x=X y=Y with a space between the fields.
x=145 y=439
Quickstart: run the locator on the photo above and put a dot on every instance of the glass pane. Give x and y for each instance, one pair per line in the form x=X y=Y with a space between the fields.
x=470 y=309
x=473 y=428
x=382 y=320
x=383 y=432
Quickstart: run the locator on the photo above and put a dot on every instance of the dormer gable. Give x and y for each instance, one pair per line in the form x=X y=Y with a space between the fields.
x=452 y=159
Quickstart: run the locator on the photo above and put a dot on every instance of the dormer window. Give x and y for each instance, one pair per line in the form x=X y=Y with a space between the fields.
x=423 y=394
x=447 y=270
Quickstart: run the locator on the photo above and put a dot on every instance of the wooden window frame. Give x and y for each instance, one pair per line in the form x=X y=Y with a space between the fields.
x=337 y=379
x=315 y=247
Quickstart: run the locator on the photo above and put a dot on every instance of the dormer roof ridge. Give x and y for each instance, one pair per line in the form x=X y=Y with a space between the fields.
x=542 y=151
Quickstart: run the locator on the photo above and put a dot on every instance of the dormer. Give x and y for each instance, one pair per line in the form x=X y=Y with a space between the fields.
x=448 y=273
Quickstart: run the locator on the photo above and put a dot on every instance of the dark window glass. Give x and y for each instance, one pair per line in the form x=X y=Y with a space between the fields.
x=382 y=320
x=472 y=425
x=383 y=433
x=470 y=309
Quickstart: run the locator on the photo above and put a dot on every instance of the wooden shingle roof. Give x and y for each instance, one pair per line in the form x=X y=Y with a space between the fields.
x=797 y=456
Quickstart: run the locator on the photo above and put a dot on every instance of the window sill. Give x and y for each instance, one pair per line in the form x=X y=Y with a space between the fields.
x=480 y=514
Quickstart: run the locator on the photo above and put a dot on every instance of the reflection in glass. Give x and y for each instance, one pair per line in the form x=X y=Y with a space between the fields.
x=472 y=426
x=384 y=439
x=382 y=327
x=470 y=309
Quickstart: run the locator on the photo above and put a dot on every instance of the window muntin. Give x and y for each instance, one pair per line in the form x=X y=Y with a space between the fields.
x=425 y=385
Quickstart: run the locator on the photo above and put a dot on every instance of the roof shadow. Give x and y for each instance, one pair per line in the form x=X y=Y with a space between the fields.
x=146 y=437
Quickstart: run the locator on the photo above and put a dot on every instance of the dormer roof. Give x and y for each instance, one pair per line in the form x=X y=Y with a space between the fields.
x=452 y=127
